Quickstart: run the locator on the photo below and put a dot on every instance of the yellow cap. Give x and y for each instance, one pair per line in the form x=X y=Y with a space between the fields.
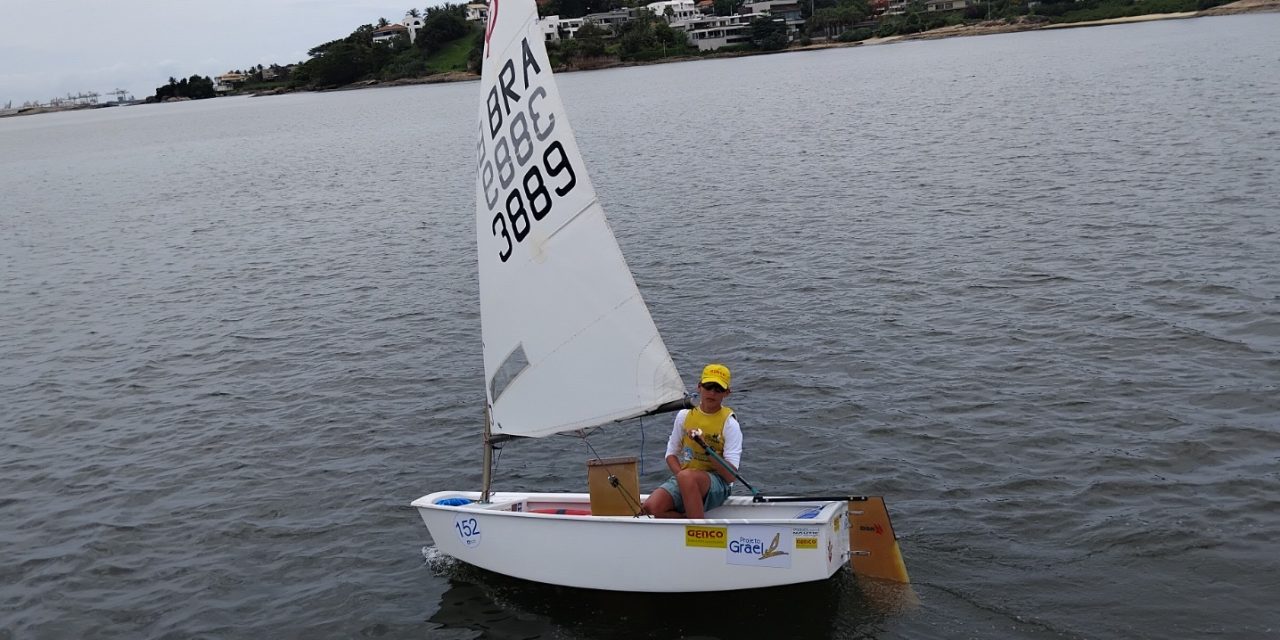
x=716 y=373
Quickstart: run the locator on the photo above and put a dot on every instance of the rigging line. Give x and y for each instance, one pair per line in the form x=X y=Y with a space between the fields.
x=633 y=504
x=641 y=445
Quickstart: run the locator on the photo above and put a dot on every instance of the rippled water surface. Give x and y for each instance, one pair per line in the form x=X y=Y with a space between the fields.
x=1025 y=286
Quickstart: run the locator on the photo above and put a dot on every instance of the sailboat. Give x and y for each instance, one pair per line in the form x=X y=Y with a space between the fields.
x=569 y=345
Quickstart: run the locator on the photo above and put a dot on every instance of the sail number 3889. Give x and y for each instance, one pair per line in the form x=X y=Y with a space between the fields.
x=531 y=198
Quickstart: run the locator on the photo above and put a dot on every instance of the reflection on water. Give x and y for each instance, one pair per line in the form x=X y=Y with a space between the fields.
x=499 y=607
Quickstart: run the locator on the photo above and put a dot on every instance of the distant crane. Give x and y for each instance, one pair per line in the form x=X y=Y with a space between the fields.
x=79 y=99
x=83 y=98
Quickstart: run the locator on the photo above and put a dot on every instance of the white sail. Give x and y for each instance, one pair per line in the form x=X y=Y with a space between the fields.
x=568 y=341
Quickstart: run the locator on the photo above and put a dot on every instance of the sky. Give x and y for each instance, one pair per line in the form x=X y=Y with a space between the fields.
x=49 y=48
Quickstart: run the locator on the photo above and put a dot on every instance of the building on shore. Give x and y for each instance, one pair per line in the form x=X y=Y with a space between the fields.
x=229 y=81
x=388 y=33
x=675 y=11
x=413 y=22
x=478 y=12
x=709 y=33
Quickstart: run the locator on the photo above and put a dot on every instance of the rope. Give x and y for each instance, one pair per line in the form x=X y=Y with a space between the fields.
x=642 y=445
x=632 y=503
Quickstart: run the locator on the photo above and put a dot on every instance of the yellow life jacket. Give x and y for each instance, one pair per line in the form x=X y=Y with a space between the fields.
x=712 y=425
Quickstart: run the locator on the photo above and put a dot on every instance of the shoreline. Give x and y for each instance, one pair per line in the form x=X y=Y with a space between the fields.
x=977 y=29
x=1017 y=26
x=991 y=27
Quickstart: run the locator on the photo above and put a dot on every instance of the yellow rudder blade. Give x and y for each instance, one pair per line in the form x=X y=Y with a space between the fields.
x=872 y=543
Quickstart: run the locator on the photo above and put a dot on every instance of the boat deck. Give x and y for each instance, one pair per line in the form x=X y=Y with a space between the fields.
x=579 y=506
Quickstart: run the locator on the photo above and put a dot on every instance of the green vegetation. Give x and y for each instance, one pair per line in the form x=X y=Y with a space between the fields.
x=856 y=35
x=915 y=20
x=769 y=34
x=649 y=37
x=588 y=43
x=446 y=42
x=833 y=17
x=459 y=55
x=443 y=25
x=724 y=7
x=194 y=88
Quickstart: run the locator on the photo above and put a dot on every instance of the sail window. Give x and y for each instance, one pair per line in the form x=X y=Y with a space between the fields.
x=511 y=367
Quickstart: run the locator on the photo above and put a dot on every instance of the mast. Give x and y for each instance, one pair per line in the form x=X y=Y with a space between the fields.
x=491 y=442
x=486 y=475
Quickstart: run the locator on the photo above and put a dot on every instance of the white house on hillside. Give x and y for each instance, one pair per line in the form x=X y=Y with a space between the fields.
x=611 y=20
x=949 y=5
x=681 y=10
x=228 y=81
x=478 y=12
x=712 y=32
x=413 y=24
x=389 y=32
x=788 y=10
x=550 y=27
x=569 y=27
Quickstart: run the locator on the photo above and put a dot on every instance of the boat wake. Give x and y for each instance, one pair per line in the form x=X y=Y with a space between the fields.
x=438 y=561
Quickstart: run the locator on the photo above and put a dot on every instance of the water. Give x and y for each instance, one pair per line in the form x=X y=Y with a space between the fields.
x=1025 y=286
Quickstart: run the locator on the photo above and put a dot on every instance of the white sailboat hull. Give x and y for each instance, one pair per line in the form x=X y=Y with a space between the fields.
x=741 y=545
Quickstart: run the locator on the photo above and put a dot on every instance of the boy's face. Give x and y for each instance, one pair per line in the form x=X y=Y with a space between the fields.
x=710 y=396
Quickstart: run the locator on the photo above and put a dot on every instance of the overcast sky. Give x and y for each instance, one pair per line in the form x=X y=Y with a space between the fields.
x=49 y=48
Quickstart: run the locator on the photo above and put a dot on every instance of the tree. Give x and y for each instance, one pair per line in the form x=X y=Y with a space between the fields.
x=828 y=21
x=590 y=40
x=725 y=7
x=442 y=25
x=345 y=61
x=566 y=8
x=340 y=64
x=196 y=88
x=670 y=37
x=591 y=30
x=199 y=87
x=647 y=36
x=768 y=34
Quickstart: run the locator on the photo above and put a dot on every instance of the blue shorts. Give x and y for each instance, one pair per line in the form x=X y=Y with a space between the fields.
x=716 y=494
